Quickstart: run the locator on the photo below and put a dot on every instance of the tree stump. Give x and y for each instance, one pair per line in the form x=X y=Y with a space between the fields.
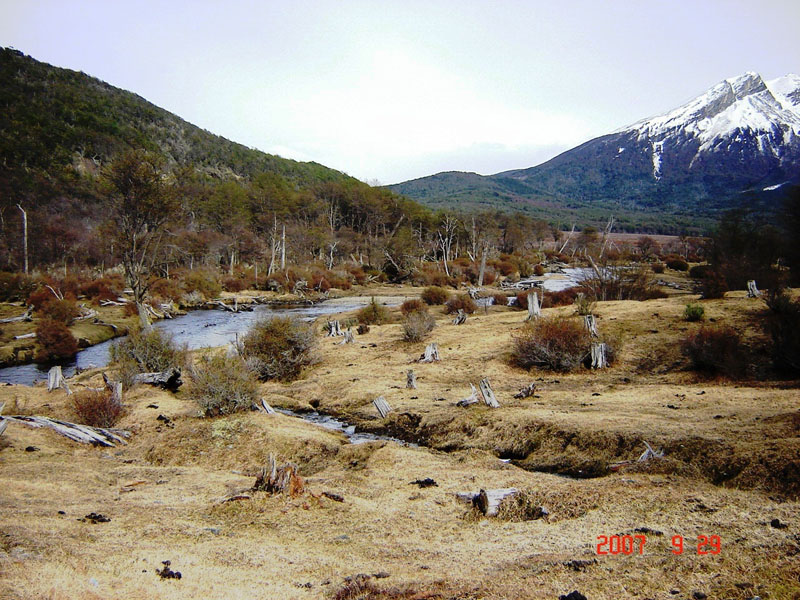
x=265 y=407
x=488 y=501
x=488 y=394
x=526 y=392
x=382 y=406
x=471 y=399
x=752 y=290
x=115 y=387
x=591 y=325
x=279 y=480
x=348 y=337
x=55 y=380
x=334 y=329
x=411 y=380
x=534 y=308
x=598 y=355
x=431 y=353
x=461 y=317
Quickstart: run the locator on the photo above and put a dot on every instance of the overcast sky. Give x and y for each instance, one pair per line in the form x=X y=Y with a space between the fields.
x=394 y=90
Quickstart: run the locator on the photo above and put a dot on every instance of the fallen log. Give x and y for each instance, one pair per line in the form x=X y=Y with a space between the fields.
x=488 y=394
x=411 y=380
x=279 y=480
x=114 y=328
x=382 y=406
x=488 y=501
x=84 y=434
x=25 y=336
x=265 y=407
x=431 y=353
x=461 y=317
x=26 y=316
x=168 y=380
x=471 y=399
x=55 y=380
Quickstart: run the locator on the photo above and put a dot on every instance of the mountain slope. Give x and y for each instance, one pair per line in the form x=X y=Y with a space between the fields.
x=738 y=143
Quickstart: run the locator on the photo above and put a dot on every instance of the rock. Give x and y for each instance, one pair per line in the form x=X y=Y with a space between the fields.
x=31 y=449
x=579 y=565
x=380 y=575
x=777 y=524
x=698 y=595
x=648 y=531
x=574 y=595
x=93 y=517
x=166 y=572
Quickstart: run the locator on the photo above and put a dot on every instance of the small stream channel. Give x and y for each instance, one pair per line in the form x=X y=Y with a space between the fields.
x=333 y=424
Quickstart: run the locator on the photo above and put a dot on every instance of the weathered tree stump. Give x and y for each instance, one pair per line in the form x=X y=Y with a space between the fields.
x=334 y=329
x=382 y=406
x=461 y=317
x=115 y=387
x=279 y=480
x=488 y=501
x=534 y=308
x=649 y=453
x=431 y=353
x=411 y=380
x=55 y=380
x=168 y=380
x=471 y=399
x=526 y=392
x=752 y=290
x=348 y=337
x=590 y=322
x=598 y=355
x=488 y=394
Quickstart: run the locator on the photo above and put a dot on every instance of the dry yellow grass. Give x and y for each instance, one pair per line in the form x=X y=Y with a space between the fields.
x=163 y=490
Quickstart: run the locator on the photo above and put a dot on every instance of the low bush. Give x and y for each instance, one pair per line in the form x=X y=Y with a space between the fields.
x=713 y=285
x=694 y=312
x=15 y=287
x=558 y=343
x=55 y=341
x=500 y=299
x=103 y=288
x=783 y=327
x=657 y=268
x=63 y=311
x=204 y=281
x=434 y=295
x=677 y=264
x=413 y=305
x=373 y=314
x=716 y=350
x=700 y=271
x=417 y=325
x=538 y=270
x=234 y=284
x=584 y=304
x=165 y=290
x=146 y=351
x=278 y=348
x=222 y=385
x=460 y=302
x=561 y=298
x=96 y=408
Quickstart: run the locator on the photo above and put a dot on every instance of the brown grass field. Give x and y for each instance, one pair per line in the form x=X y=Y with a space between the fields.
x=731 y=466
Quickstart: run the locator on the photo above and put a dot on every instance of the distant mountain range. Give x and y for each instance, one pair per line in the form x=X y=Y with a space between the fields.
x=738 y=144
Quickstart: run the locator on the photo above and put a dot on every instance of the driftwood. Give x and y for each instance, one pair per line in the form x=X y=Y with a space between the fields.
x=488 y=394
x=25 y=336
x=461 y=317
x=169 y=379
x=26 y=316
x=534 y=309
x=431 y=353
x=488 y=501
x=645 y=456
x=348 y=337
x=411 y=380
x=55 y=380
x=526 y=392
x=279 y=480
x=598 y=355
x=471 y=399
x=590 y=322
x=117 y=302
x=265 y=407
x=382 y=406
x=752 y=290
x=334 y=329
x=3 y=423
x=84 y=434
x=86 y=313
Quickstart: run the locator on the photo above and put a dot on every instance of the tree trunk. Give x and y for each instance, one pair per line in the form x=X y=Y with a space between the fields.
x=382 y=406
x=752 y=290
x=26 y=316
x=471 y=399
x=84 y=434
x=169 y=379
x=24 y=235
x=55 y=380
x=348 y=337
x=411 y=380
x=488 y=394
x=598 y=355
x=591 y=325
x=283 y=248
x=279 y=480
x=461 y=317
x=431 y=353
x=334 y=329
x=483 y=264
x=534 y=309
x=526 y=392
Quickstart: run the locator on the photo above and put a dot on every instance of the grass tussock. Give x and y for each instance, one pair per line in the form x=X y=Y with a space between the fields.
x=716 y=350
x=373 y=314
x=222 y=385
x=96 y=408
x=278 y=348
x=417 y=326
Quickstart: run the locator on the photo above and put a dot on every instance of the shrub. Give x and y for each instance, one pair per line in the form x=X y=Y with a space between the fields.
x=559 y=344
x=657 y=268
x=505 y=267
x=783 y=326
x=55 y=340
x=713 y=285
x=278 y=348
x=358 y=274
x=500 y=299
x=584 y=305
x=417 y=325
x=165 y=290
x=617 y=282
x=222 y=385
x=203 y=281
x=15 y=286
x=96 y=408
x=104 y=288
x=715 y=350
x=413 y=305
x=63 y=311
x=434 y=295
x=700 y=271
x=233 y=284
x=146 y=351
x=561 y=298
x=460 y=302
x=677 y=264
x=538 y=270
x=694 y=312
x=373 y=314
x=40 y=297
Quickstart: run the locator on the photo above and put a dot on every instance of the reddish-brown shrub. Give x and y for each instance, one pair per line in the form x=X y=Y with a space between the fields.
x=233 y=284
x=16 y=286
x=505 y=267
x=716 y=349
x=104 y=288
x=559 y=344
x=657 y=268
x=714 y=285
x=40 y=297
x=434 y=295
x=500 y=299
x=538 y=270
x=677 y=264
x=562 y=297
x=55 y=341
x=358 y=274
x=96 y=408
x=413 y=305
x=460 y=302
x=700 y=271
x=204 y=281
x=165 y=290
x=63 y=311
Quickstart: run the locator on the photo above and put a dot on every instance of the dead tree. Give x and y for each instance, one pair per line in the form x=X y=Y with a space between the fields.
x=591 y=325
x=483 y=263
x=115 y=387
x=471 y=399
x=598 y=355
x=752 y=290
x=24 y=235
x=411 y=380
x=55 y=380
x=265 y=407
x=534 y=309
x=461 y=317
x=348 y=337
x=382 y=406
x=488 y=394
x=279 y=480
x=431 y=353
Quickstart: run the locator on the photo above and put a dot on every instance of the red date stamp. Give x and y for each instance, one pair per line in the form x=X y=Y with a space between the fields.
x=635 y=544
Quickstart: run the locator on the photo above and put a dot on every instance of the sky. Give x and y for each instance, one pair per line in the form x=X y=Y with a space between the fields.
x=388 y=90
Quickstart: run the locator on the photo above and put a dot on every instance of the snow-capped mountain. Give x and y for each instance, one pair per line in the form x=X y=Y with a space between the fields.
x=737 y=144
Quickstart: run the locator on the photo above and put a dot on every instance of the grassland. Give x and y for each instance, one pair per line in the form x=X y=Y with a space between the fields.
x=732 y=453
